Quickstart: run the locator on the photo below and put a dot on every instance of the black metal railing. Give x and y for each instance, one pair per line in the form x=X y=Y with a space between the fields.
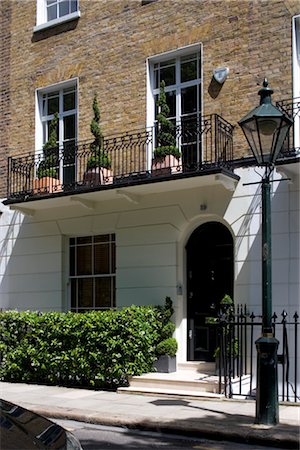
x=203 y=144
x=236 y=359
x=291 y=107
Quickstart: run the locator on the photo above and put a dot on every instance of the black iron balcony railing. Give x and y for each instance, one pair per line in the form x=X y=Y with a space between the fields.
x=291 y=145
x=204 y=144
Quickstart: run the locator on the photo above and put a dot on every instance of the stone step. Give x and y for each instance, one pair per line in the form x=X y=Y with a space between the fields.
x=188 y=380
x=162 y=392
x=198 y=366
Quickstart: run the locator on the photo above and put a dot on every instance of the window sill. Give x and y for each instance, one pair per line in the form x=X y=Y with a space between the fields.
x=53 y=23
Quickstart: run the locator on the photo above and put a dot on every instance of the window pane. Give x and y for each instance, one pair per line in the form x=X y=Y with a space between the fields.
x=84 y=260
x=72 y=261
x=188 y=68
x=156 y=78
x=103 y=292
x=171 y=102
x=69 y=127
x=63 y=8
x=73 y=294
x=85 y=292
x=168 y=74
x=189 y=100
x=69 y=101
x=84 y=240
x=74 y=5
x=113 y=258
x=101 y=238
x=53 y=103
x=51 y=12
x=101 y=258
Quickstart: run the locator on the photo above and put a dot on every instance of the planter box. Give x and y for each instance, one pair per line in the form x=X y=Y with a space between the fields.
x=98 y=176
x=46 y=185
x=165 y=364
x=167 y=166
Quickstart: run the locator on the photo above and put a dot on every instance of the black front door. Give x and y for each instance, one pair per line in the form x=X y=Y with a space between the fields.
x=209 y=278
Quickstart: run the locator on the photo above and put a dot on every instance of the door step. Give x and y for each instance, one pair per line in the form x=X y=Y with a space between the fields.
x=190 y=380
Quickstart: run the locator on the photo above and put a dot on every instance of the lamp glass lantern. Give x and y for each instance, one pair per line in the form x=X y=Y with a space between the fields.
x=265 y=128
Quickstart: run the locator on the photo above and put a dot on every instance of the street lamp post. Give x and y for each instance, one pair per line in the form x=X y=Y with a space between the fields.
x=265 y=128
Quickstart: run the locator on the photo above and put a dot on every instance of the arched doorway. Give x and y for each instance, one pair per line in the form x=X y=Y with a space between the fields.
x=210 y=271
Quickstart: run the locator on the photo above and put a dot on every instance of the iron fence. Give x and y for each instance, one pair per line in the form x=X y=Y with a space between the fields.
x=204 y=143
x=237 y=332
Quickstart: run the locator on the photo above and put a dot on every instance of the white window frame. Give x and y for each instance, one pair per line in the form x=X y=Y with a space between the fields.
x=40 y=118
x=41 y=17
x=296 y=75
x=151 y=92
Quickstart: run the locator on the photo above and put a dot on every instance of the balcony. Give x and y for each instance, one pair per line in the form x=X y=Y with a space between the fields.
x=291 y=145
x=206 y=147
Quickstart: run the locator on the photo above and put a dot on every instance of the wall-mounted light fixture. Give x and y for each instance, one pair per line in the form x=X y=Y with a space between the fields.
x=220 y=74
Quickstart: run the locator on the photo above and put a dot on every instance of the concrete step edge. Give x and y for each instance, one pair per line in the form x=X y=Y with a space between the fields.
x=169 y=392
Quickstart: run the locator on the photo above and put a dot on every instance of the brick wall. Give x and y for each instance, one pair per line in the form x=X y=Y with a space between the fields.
x=5 y=20
x=107 y=50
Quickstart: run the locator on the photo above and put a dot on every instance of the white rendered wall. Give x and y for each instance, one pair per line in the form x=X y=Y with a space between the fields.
x=151 y=236
x=30 y=263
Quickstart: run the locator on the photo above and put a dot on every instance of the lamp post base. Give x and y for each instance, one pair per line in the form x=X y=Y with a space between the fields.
x=267 y=411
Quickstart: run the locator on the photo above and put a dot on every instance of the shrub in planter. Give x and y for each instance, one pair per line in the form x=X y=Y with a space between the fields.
x=99 y=163
x=47 y=175
x=168 y=347
x=166 y=156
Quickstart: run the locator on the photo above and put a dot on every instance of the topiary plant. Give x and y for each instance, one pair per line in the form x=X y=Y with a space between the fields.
x=47 y=166
x=166 y=142
x=168 y=330
x=99 y=158
x=167 y=347
x=167 y=344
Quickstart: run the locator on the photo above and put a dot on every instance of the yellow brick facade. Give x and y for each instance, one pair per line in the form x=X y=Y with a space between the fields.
x=107 y=49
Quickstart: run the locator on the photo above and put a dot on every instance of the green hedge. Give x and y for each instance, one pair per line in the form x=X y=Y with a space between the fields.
x=94 y=349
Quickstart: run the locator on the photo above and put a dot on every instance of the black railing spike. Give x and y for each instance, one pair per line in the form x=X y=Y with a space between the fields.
x=284 y=315
x=274 y=317
x=296 y=316
x=252 y=316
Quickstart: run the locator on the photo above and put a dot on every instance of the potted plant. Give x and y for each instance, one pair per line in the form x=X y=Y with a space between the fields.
x=167 y=347
x=47 y=176
x=99 y=164
x=166 y=351
x=166 y=156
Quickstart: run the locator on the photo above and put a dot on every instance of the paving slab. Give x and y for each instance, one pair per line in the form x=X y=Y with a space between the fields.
x=219 y=419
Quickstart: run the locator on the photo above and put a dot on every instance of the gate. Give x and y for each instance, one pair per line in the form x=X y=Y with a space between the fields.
x=237 y=331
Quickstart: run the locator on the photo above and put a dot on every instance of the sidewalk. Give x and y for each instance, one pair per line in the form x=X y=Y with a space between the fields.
x=219 y=419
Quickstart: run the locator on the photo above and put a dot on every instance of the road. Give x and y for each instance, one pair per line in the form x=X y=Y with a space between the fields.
x=97 y=437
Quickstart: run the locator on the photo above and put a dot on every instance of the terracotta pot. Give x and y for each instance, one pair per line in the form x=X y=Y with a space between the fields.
x=98 y=176
x=168 y=165
x=46 y=185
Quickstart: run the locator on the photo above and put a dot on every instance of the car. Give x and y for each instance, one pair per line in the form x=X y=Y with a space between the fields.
x=22 y=429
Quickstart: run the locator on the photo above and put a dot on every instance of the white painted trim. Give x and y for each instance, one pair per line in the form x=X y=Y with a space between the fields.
x=38 y=107
x=41 y=17
x=174 y=53
x=296 y=72
x=53 y=23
